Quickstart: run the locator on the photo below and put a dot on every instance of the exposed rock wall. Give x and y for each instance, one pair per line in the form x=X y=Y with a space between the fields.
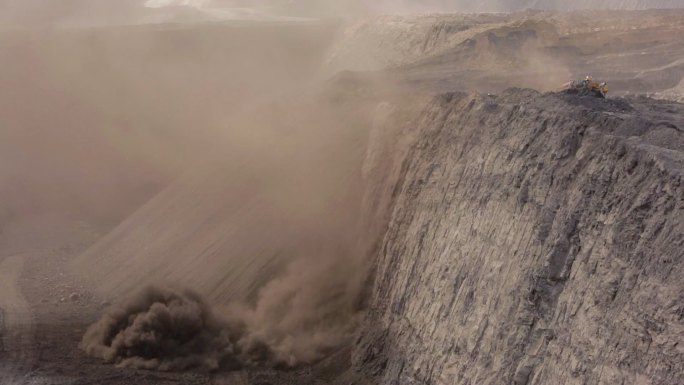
x=535 y=239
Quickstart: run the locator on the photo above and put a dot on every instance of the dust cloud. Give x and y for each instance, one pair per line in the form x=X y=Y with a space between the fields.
x=298 y=319
x=308 y=313
x=162 y=329
x=212 y=156
x=102 y=120
x=233 y=115
x=304 y=308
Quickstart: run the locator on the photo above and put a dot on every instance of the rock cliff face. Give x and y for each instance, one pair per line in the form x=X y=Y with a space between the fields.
x=534 y=239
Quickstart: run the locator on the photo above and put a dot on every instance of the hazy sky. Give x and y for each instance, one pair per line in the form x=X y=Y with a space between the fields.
x=20 y=12
x=393 y=6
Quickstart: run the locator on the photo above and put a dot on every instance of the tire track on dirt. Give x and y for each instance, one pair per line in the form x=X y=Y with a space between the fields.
x=17 y=325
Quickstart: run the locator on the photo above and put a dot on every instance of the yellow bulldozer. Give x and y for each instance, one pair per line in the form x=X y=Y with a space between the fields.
x=587 y=86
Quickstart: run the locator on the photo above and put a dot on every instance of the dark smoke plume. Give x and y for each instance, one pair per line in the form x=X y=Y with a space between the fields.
x=298 y=319
x=163 y=329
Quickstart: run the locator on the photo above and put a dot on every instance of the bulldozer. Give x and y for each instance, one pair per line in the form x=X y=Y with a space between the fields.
x=587 y=86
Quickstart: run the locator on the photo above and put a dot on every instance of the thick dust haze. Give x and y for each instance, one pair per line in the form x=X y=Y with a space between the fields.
x=89 y=13
x=308 y=176
x=98 y=121
x=101 y=122
x=216 y=157
x=298 y=319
